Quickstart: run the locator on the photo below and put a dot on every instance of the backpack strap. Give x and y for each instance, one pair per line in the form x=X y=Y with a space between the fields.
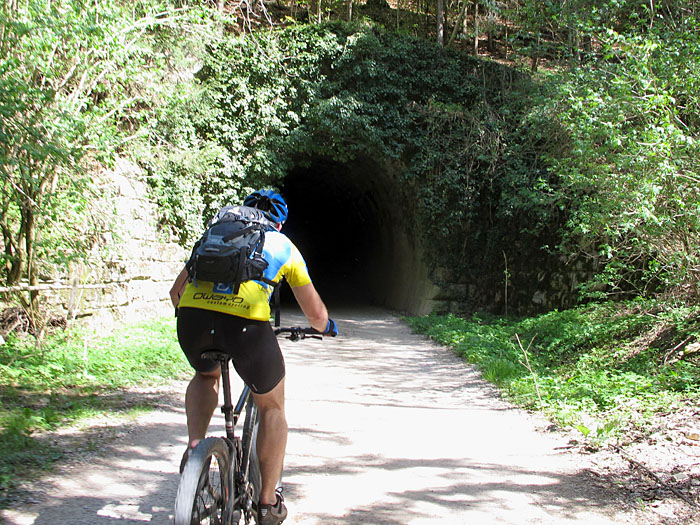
x=258 y=253
x=242 y=256
x=189 y=265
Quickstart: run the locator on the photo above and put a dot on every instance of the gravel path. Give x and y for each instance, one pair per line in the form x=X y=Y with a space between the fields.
x=385 y=428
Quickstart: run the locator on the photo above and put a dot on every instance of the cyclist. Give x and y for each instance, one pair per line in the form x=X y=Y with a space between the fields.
x=241 y=327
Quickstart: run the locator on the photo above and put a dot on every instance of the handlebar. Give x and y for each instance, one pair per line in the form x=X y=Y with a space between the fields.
x=297 y=332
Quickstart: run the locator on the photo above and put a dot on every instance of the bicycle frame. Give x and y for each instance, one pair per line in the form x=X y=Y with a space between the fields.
x=238 y=471
x=231 y=415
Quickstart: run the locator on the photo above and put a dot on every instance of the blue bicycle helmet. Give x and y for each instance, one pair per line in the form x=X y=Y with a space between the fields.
x=270 y=203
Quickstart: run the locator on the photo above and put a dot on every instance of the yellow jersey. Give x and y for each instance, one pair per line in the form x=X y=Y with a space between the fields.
x=253 y=298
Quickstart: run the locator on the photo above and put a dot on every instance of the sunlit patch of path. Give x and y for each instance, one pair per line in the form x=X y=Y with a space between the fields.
x=386 y=427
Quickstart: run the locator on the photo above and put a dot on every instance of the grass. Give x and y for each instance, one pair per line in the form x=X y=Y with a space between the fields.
x=75 y=375
x=603 y=369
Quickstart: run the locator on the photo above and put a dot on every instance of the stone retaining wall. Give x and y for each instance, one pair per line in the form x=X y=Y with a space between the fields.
x=127 y=278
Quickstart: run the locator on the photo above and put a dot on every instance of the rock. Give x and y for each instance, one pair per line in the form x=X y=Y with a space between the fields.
x=679 y=477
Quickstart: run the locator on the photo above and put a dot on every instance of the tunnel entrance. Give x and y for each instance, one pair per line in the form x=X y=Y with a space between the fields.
x=350 y=224
x=336 y=222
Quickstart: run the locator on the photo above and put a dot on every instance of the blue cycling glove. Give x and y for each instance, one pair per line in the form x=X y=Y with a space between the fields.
x=331 y=328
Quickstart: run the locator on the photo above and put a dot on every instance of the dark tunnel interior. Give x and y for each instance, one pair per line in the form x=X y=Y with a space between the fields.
x=336 y=221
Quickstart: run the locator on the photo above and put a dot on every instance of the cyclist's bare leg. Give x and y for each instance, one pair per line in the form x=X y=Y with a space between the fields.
x=201 y=399
x=272 y=440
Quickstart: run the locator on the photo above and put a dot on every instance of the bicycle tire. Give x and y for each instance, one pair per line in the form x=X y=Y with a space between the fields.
x=204 y=486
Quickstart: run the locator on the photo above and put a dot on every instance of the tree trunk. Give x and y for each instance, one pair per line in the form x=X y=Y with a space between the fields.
x=536 y=54
x=440 y=22
x=29 y=244
x=349 y=10
x=459 y=22
x=491 y=17
x=14 y=255
x=475 y=47
x=31 y=304
x=575 y=46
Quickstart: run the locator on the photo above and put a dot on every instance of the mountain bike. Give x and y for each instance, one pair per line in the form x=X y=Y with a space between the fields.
x=221 y=483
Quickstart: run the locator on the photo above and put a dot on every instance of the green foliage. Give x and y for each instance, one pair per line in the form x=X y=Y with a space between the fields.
x=75 y=375
x=630 y=173
x=177 y=163
x=78 y=81
x=594 y=159
x=568 y=32
x=453 y=126
x=622 y=158
x=601 y=368
x=180 y=168
x=43 y=131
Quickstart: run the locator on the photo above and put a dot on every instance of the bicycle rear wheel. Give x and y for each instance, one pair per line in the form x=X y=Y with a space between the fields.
x=204 y=486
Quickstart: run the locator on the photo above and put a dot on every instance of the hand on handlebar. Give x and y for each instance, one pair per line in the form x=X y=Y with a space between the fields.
x=297 y=332
x=331 y=328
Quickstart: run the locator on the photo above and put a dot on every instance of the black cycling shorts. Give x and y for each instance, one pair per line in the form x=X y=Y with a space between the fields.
x=252 y=345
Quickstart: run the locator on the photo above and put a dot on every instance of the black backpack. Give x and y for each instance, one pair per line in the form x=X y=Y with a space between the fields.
x=230 y=251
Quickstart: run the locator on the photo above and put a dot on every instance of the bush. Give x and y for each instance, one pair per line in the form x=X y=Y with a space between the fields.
x=608 y=362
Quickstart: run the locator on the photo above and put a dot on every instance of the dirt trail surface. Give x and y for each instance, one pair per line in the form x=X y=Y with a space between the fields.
x=385 y=428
